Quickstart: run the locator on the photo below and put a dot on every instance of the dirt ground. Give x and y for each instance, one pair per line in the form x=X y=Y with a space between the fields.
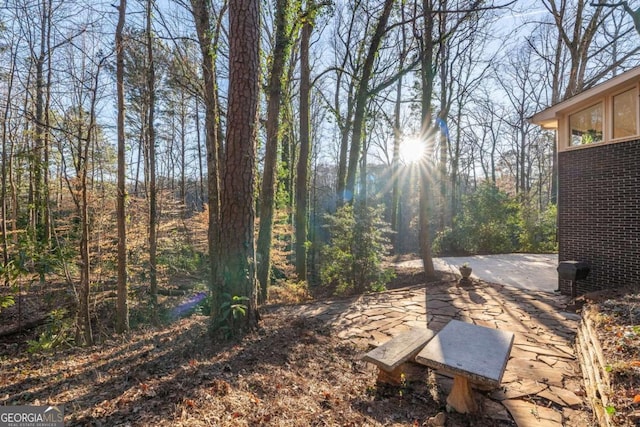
x=290 y=372
x=616 y=315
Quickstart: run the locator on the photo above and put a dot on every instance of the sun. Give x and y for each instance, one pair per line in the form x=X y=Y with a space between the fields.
x=411 y=150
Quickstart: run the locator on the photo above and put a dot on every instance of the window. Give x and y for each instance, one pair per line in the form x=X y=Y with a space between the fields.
x=624 y=114
x=586 y=125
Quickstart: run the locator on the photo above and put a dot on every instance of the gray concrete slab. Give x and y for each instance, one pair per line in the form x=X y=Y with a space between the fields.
x=526 y=271
x=396 y=351
x=473 y=351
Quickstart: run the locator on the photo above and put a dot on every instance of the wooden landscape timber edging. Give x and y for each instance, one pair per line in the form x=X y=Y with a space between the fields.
x=596 y=378
x=391 y=357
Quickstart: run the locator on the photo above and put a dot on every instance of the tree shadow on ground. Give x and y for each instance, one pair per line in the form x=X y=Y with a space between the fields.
x=296 y=369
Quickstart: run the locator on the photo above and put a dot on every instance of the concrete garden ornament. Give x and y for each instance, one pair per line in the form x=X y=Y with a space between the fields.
x=465 y=270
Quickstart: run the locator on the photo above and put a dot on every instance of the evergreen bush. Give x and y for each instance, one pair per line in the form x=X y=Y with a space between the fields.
x=352 y=260
x=538 y=233
x=488 y=223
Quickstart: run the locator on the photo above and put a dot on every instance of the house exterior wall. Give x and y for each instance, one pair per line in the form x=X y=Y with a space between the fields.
x=599 y=213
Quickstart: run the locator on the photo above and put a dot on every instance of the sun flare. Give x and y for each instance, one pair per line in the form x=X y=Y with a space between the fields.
x=411 y=150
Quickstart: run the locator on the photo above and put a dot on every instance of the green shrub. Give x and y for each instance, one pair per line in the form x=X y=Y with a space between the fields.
x=180 y=256
x=57 y=332
x=232 y=309
x=488 y=223
x=538 y=233
x=6 y=301
x=453 y=241
x=352 y=261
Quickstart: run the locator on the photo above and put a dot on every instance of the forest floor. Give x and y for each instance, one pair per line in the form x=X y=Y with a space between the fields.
x=290 y=372
x=616 y=315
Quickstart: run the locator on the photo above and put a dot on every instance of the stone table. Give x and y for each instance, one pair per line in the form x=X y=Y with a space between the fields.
x=469 y=353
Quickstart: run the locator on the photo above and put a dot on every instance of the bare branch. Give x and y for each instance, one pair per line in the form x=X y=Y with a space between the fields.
x=635 y=14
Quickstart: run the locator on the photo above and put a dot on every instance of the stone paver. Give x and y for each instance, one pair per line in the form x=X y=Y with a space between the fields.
x=542 y=383
x=529 y=414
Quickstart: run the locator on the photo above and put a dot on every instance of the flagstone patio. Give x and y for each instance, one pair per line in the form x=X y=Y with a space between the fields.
x=542 y=384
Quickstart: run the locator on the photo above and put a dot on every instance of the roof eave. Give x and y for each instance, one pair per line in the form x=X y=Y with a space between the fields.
x=545 y=117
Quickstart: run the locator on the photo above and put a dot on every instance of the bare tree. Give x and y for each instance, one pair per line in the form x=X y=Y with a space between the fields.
x=122 y=309
x=573 y=52
x=362 y=95
x=467 y=71
x=151 y=148
x=302 y=183
x=349 y=60
x=77 y=130
x=634 y=14
x=40 y=216
x=283 y=38
x=208 y=35
x=6 y=170
x=524 y=96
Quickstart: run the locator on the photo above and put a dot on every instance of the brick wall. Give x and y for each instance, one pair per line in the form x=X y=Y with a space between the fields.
x=599 y=214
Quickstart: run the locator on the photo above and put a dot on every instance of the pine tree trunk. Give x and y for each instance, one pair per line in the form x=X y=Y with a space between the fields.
x=237 y=247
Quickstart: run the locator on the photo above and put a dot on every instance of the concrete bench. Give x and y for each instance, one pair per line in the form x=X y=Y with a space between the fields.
x=470 y=354
x=393 y=356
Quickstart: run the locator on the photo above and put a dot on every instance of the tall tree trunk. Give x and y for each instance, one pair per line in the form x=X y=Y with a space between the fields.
x=199 y=146
x=85 y=138
x=445 y=105
x=302 y=184
x=122 y=305
x=151 y=145
x=522 y=136
x=39 y=205
x=455 y=161
x=397 y=140
x=84 y=335
x=345 y=120
x=141 y=155
x=288 y=157
x=269 y=177
x=427 y=79
x=237 y=254
x=395 y=169
x=363 y=174
x=362 y=96
x=183 y=147
x=46 y=146
x=6 y=170
x=208 y=48
x=341 y=179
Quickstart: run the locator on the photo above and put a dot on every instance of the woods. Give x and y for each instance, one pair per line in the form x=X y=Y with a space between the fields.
x=224 y=144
